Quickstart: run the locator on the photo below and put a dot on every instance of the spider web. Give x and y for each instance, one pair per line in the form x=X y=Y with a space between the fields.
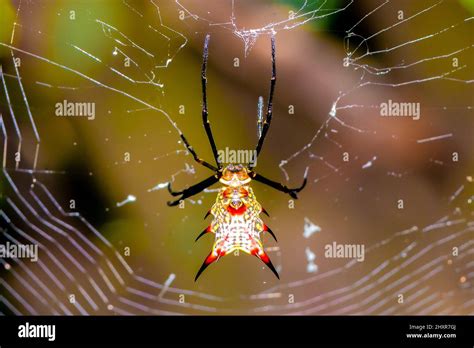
x=83 y=267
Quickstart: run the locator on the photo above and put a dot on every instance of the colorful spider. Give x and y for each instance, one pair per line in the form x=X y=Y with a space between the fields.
x=236 y=224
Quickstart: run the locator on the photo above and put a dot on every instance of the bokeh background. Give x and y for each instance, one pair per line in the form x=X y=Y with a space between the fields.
x=141 y=255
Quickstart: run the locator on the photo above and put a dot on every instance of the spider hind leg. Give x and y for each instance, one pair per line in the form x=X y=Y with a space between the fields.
x=191 y=191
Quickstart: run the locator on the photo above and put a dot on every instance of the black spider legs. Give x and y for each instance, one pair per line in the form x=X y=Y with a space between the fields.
x=195 y=156
x=186 y=193
x=200 y=186
x=205 y=119
x=266 y=126
x=280 y=187
x=193 y=190
x=269 y=113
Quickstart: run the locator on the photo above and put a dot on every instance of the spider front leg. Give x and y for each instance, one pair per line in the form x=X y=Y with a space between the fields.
x=269 y=113
x=195 y=156
x=205 y=115
x=193 y=190
x=205 y=119
x=280 y=187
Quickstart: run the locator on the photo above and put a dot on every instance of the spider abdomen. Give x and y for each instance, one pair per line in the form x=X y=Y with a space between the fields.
x=237 y=225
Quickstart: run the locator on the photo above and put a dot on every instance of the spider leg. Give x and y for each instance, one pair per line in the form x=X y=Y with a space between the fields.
x=191 y=191
x=269 y=113
x=205 y=120
x=173 y=193
x=280 y=187
x=195 y=156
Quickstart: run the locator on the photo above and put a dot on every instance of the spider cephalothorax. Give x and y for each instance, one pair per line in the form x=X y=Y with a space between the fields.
x=236 y=224
x=235 y=175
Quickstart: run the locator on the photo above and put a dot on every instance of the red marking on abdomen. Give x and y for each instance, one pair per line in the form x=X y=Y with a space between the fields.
x=227 y=193
x=243 y=192
x=238 y=211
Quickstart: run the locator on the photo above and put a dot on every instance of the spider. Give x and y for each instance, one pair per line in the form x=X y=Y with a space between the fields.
x=236 y=211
